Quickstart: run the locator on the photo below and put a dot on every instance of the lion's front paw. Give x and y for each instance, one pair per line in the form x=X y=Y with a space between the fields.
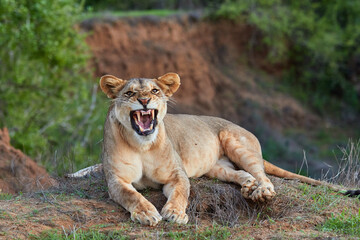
x=174 y=214
x=146 y=214
x=248 y=187
x=264 y=192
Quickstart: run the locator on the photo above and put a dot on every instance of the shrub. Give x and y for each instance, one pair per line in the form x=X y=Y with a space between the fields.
x=45 y=98
x=125 y=5
x=319 y=39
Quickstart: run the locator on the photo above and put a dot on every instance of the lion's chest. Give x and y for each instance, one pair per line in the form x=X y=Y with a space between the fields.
x=155 y=170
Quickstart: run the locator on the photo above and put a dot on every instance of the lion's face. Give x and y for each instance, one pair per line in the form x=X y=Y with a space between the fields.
x=140 y=103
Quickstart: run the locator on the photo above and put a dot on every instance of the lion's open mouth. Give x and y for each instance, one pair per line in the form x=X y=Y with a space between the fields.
x=144 y=121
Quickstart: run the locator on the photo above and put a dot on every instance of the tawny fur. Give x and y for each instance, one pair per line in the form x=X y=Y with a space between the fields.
x=180 y=147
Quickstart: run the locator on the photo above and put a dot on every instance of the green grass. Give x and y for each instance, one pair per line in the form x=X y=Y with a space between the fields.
x=140 y=13
x=215 y=232
x=4 y=215
x=6 y=196
x=320 y=198
x=81 y=235
x=344 y=223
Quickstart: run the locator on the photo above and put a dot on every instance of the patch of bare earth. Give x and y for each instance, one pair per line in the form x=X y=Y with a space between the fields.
x=84 y=204
x=18 y=173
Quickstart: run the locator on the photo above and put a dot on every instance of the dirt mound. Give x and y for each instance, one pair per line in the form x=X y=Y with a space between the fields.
x=216 y=210
x=17 y=171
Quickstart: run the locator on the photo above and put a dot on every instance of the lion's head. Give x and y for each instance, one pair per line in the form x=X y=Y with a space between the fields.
x=140 y=103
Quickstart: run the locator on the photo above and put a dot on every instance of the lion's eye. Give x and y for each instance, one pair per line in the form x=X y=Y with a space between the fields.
x=154 y=91
x=129 y=94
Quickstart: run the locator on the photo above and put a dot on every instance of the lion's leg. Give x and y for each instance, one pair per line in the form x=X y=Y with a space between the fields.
x=249 y=160
x=126 y=195
x=224 y=171
x=177 y=191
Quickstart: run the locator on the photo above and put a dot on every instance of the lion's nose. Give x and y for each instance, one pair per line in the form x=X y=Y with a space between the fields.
x=144 y=101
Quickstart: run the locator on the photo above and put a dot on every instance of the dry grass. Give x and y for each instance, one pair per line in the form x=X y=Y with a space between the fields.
x=348 y=173
x=223 y=203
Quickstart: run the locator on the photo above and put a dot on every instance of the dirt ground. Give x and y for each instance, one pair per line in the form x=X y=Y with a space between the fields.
x=84 y=204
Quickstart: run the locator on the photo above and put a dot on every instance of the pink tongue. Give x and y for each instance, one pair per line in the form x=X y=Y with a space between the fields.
x=145 y=121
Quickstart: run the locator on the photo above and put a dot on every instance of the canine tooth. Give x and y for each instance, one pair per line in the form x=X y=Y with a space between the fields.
x=151 y=127
x=153 y=114
x=138 y=115
x=141 y=129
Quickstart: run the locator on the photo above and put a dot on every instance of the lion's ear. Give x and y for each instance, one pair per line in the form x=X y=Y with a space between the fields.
x=111 y=85
x=169 y=83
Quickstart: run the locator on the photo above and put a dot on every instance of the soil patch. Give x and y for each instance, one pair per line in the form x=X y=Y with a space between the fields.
x=18 y=173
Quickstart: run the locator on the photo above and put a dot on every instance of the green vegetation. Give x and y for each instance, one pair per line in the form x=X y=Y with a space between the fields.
x=4 y=215
x=139 y=13
x=125 y=5
x=320 y=198
x=214 y=232
x=343 y=223
x=47 y=96
x=319 y=40
x=80 y=234
x=6 y=196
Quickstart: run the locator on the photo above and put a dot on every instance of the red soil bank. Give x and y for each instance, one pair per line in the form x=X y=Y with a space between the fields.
x=18 y=173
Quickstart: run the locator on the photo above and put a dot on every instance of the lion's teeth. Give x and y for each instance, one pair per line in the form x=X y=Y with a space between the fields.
x=138 y=116
x=145 y=112
x=152 y=114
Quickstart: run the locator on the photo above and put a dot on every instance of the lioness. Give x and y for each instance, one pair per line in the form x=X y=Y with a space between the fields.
x=145 y=147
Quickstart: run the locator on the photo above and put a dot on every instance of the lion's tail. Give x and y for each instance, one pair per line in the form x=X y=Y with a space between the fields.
x=279 y=172
x=95 y=170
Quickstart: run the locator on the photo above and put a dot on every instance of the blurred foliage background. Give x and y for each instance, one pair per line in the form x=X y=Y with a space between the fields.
x=318 y=39
x=49 y=98
x=127 y=5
